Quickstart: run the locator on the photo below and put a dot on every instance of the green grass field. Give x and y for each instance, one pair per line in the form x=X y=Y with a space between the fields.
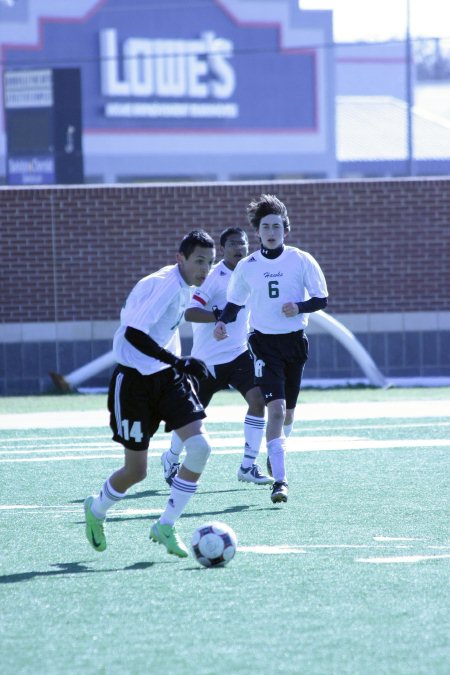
x=350 y=576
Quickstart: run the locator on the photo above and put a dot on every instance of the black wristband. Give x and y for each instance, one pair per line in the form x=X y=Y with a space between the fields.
x=216 y=311
x=230 y=312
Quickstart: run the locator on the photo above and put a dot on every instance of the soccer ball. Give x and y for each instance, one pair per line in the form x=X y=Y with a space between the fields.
x=214 y=544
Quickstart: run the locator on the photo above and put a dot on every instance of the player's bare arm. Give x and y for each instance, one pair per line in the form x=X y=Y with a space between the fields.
x=200 y=315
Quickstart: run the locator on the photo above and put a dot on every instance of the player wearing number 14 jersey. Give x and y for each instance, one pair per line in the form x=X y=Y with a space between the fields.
x=152 y=383
x=280 y=285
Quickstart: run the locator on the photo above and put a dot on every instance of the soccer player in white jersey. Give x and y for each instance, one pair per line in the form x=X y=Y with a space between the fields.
x=281 y=285
x=229 y=362
x=151 y=384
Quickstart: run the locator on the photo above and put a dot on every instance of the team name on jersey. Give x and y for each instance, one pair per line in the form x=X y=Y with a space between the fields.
x=268 y=274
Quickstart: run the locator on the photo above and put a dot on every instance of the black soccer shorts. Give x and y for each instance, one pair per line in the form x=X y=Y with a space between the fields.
x=278 y=362
x=138 y=403
x=237 y=374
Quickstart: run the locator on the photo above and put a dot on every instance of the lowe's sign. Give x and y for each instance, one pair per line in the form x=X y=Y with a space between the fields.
x=173 y=78
x=162 y=65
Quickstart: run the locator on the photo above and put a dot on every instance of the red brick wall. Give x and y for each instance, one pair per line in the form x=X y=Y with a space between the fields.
x=74 y=253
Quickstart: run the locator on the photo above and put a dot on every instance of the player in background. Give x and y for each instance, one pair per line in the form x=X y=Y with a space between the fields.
x=151 y=383
x=229 y=362
x=280 y=285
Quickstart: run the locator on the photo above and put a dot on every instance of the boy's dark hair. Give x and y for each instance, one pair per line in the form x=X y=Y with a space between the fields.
x=229 y=232
x=193 y=239
x=264 y=206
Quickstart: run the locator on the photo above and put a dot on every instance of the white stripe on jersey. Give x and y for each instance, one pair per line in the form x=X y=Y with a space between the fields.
x=212 y=292
x=264 y=285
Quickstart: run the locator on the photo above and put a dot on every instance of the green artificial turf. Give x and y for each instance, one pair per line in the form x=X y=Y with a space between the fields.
x=350 y=576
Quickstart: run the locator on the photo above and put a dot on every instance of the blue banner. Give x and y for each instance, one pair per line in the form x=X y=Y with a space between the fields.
x=149 y=66
x=31 y=170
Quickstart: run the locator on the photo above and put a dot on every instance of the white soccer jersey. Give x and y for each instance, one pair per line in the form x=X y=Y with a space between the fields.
x=264 y=285
x=213 y=291
x=156 y=306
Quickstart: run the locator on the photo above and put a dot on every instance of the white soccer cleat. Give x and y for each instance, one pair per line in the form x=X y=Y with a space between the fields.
x=170 y=469
x=253 y=475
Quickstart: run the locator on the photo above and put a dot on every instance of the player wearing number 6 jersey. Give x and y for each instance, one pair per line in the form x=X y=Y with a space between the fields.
x=150 y=384
x=280 y=285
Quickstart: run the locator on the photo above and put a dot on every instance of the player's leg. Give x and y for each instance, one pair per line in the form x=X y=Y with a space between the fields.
x=239 y=374
x=293 y=354
x=170 y=459
x=268 y=359
x=184 y=485
x=254 y=427
x=296 y=351
x=288 y=422
x=183 y=488
x=130 y=428
x=276 y=449
x=183 y=412
x=288 y=425
x=294 y=374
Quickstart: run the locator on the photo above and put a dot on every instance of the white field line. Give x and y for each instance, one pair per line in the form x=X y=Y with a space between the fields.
x=387 y=542
x=306 y=411
x=262 y=549
x=271 y=550
x=98 y=439
x=64 y=458
x=381 y=538
x=299 y=432
x=70 y=508
x=403 y=559
x=229 y=447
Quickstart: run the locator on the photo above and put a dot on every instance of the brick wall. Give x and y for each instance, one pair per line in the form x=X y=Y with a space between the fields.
x=73 y=253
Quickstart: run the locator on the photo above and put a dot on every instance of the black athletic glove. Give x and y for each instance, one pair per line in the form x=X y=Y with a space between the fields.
x=191 y=366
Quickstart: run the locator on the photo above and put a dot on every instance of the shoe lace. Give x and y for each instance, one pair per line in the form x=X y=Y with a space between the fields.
x=278 y=485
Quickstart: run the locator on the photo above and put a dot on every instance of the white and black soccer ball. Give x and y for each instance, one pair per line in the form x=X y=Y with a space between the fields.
x=214 y=544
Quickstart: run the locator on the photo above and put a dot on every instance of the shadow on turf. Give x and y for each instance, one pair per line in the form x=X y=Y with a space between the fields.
x=162 y=493
x=72 y=568
x=230 y=509
x=198 y=514
x=136 y=495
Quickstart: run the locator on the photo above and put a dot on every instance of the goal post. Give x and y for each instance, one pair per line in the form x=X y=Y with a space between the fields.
x=70 y=382
x=351 y=344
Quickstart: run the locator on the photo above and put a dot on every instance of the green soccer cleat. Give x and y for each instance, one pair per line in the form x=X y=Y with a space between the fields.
x=95 y=531
x=169 y=537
